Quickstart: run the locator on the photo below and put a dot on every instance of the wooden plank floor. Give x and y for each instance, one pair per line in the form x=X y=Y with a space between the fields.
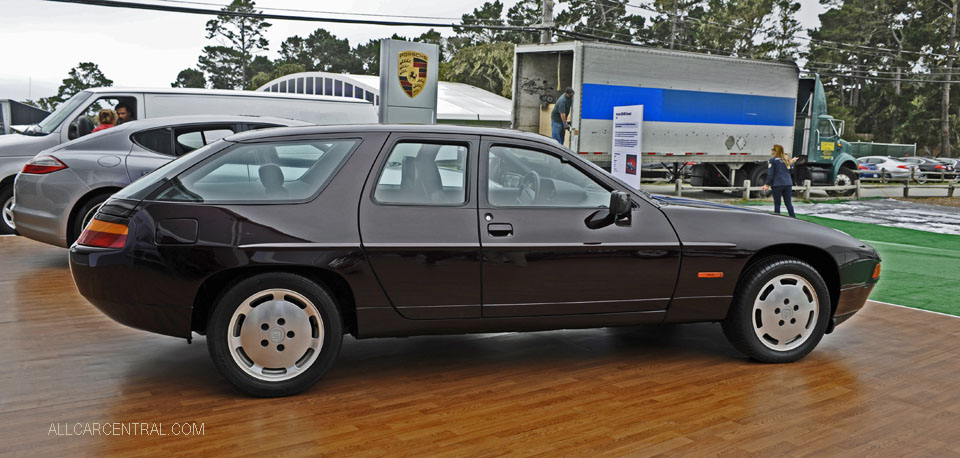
x=885 y=384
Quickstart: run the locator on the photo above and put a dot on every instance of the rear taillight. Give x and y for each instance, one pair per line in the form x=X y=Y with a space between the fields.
x=43 y=164
x=939 y=167
x=902 y=167
x=876 y=271
x=863 y=167
x=103 y=234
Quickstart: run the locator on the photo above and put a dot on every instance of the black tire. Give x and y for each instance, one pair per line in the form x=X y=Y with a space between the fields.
x=742 y=321
x=6 y=194
x=844 y=175
x=758 y=177
x=83 y=214
x=329 y=332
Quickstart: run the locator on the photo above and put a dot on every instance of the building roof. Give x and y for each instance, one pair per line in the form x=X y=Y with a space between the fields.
x=455 y=101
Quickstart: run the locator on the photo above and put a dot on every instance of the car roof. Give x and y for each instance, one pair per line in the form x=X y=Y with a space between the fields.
x=120 y=91
x=169 y=121
x=253 y=136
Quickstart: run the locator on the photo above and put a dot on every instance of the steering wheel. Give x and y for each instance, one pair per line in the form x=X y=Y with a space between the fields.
x=529 y=188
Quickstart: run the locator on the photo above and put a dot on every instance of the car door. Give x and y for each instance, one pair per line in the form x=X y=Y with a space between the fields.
x=418 y=225
x=155 y=147
x=539 y=256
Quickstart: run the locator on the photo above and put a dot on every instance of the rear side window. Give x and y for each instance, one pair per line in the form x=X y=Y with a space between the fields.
x=282 y=171
x=424 y=174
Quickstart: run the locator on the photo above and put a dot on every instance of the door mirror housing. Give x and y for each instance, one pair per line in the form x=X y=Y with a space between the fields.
x=618 y=211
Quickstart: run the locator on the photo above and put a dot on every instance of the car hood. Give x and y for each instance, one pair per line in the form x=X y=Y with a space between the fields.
x=696 y=203
x=699 y=222
x=19 y=145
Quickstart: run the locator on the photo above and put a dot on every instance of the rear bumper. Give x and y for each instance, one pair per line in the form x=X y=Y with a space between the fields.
x=114 y=285
x=43 y=204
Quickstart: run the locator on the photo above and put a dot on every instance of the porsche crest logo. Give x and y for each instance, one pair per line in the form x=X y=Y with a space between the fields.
x=413 y=72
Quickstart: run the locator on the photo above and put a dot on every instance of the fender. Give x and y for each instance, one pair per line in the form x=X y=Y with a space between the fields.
x=840 y=160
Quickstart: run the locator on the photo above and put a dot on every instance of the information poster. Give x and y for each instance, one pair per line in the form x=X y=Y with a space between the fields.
x=627 y=141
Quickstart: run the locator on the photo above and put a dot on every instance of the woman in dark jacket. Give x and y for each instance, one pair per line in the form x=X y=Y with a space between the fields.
x=778 y=178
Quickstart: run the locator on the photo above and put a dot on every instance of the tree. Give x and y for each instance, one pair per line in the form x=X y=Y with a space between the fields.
x=675 y=25
x=190 y=77
x=240 y=37
x=278 y=70
x=605 y=19
x=321 y=51
x=487 y=66
x=83 y=76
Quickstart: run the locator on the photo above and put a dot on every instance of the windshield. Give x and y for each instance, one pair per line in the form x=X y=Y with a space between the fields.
x=52 y=122
x=140 y=189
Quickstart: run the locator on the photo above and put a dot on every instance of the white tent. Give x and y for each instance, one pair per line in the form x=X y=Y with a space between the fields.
x=457 y=103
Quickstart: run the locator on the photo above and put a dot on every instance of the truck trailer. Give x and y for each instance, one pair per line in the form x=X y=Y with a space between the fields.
x=722 y=114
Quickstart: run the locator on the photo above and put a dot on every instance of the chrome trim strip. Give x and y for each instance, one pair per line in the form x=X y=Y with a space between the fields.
x=584 y=244
x=710 y=244
x=421 y=245
x=291 y=246
x=581 y=302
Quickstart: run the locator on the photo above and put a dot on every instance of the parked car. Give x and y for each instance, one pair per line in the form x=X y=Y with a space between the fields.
x=76 y=117
x=59 y=190
x=275 y=243
x=929 y=168
x=868 y=170
x=889 y=167
x=955 y=171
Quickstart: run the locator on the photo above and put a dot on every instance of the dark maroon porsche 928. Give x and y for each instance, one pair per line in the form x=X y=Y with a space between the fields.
x=276 y=243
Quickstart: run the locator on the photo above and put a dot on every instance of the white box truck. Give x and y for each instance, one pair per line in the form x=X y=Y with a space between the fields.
x=724 y=114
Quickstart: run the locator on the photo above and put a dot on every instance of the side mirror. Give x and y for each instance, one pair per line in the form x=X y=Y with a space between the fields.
x=72 y=130
x=620 y=206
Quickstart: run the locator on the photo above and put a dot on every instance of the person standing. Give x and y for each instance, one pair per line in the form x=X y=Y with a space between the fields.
x=560 y=117
x=780 y=180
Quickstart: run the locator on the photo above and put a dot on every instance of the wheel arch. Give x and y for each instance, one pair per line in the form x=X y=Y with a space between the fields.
x=8 y=181
x=815 y=256
x=845 y=160
x=109 y=190
x=217 y=284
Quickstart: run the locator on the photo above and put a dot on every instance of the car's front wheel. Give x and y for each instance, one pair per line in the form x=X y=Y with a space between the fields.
x=7 y=225
x=275 y=334
x=780 y=311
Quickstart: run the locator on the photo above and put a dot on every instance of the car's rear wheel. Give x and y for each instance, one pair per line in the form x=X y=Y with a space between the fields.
x=83 y=215
x=275 y=334
x=780 y=312
x=6 y=200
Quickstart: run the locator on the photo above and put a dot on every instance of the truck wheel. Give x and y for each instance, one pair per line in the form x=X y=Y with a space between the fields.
x=845 y=177
x=780 y=311
x=274 y=334
x=6 y=200
x=758 y=176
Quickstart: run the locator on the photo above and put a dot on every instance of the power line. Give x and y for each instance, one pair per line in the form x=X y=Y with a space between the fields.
x=287 y=17
x=295 y=10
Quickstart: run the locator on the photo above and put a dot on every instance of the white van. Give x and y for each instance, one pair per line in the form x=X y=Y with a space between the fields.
x=72 y=119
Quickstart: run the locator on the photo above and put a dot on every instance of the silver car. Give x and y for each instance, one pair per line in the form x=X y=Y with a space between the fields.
x=60 y=189
x=890 y=167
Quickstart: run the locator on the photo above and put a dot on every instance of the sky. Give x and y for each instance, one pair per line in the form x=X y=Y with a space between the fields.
x=41 y=41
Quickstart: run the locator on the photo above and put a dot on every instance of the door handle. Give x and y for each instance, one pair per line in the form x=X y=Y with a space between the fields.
x=500 y=229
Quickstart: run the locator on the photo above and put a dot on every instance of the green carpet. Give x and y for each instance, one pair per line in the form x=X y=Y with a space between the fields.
x=920 y=269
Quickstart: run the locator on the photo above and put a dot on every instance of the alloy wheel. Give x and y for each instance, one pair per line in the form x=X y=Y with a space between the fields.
x=785 y=312
x=275 y=335
x=8 y=213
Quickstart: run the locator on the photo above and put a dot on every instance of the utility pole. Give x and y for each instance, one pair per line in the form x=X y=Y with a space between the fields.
x=673 y=24
x=546 y=22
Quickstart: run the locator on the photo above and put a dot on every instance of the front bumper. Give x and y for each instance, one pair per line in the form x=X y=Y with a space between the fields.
x=112 y=283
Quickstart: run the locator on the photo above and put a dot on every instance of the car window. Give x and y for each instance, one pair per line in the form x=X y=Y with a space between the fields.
x=192 y=139
x=424 y=174
x=281 y=171
x=521 y=177
x=156 y=140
